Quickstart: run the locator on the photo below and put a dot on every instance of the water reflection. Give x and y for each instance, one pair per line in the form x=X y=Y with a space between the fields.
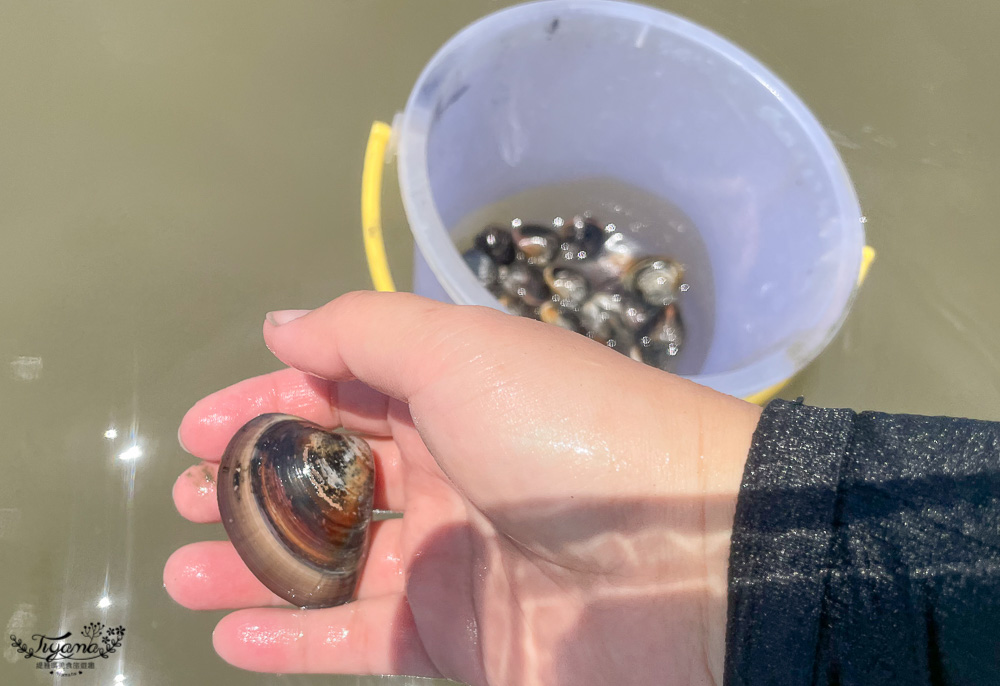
x=129 y=454
x=26 y=367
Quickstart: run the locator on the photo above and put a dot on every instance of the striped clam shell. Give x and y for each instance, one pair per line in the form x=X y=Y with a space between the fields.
x=296 y=501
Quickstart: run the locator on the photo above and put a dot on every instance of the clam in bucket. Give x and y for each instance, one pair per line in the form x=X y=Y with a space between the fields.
x=559 y=91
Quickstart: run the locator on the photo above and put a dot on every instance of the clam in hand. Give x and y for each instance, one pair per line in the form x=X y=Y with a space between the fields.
x=296 y=501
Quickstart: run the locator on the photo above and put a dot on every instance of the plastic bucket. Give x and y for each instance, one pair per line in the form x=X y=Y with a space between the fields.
x=553 y=91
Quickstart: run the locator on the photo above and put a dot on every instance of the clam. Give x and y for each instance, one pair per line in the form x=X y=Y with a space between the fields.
x=589 y=236
x=662 y=342
x=621 y=340
x=539 y=244
x=551 y=313
x=497 y=242
x=582 y=240
x=656 y=279
x=516 y=306
x=636 y=313
x=483 y=266
x=296 y=501
x=525 y=282
x=570 y=285
x=617 y=252
x=600 y=314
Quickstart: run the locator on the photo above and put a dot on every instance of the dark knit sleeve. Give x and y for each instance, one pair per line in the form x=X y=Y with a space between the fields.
x=866 y=550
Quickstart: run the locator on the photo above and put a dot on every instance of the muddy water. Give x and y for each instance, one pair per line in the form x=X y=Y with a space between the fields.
x=171 y=171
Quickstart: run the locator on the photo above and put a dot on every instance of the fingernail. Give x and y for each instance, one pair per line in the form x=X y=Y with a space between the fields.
x=280 y=317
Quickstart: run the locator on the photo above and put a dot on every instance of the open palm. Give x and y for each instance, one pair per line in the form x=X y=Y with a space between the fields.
x=566 y=510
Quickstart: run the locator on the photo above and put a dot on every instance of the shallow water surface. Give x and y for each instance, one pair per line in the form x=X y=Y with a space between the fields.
x=169 y=172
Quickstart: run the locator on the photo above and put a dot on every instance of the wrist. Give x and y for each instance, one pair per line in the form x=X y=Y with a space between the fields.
x=730 y=425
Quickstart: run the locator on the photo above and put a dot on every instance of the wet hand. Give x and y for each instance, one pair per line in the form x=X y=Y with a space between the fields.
x=567 y=511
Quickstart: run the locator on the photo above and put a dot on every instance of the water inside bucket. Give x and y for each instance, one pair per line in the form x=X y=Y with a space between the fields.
x=650 y=224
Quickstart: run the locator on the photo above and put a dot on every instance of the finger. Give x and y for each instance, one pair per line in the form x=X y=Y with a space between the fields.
x=195 y=493
x=209 y=575
x=196 y=499
x=372 y=636
x=207 y=427
x=393 y=342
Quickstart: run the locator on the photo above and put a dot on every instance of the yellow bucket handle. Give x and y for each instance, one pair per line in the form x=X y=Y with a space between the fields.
x=378 y=264
x=371 y=206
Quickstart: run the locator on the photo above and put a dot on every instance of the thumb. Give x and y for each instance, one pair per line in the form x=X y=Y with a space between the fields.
x=388 y=341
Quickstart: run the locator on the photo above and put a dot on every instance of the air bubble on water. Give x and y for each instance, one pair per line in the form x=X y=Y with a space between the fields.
x=610 y=228
x=558 y=222
x=685 y=287
x=515 y=222
x=864 y=219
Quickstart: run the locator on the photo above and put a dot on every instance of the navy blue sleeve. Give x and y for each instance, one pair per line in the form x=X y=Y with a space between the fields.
x=866 y=550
